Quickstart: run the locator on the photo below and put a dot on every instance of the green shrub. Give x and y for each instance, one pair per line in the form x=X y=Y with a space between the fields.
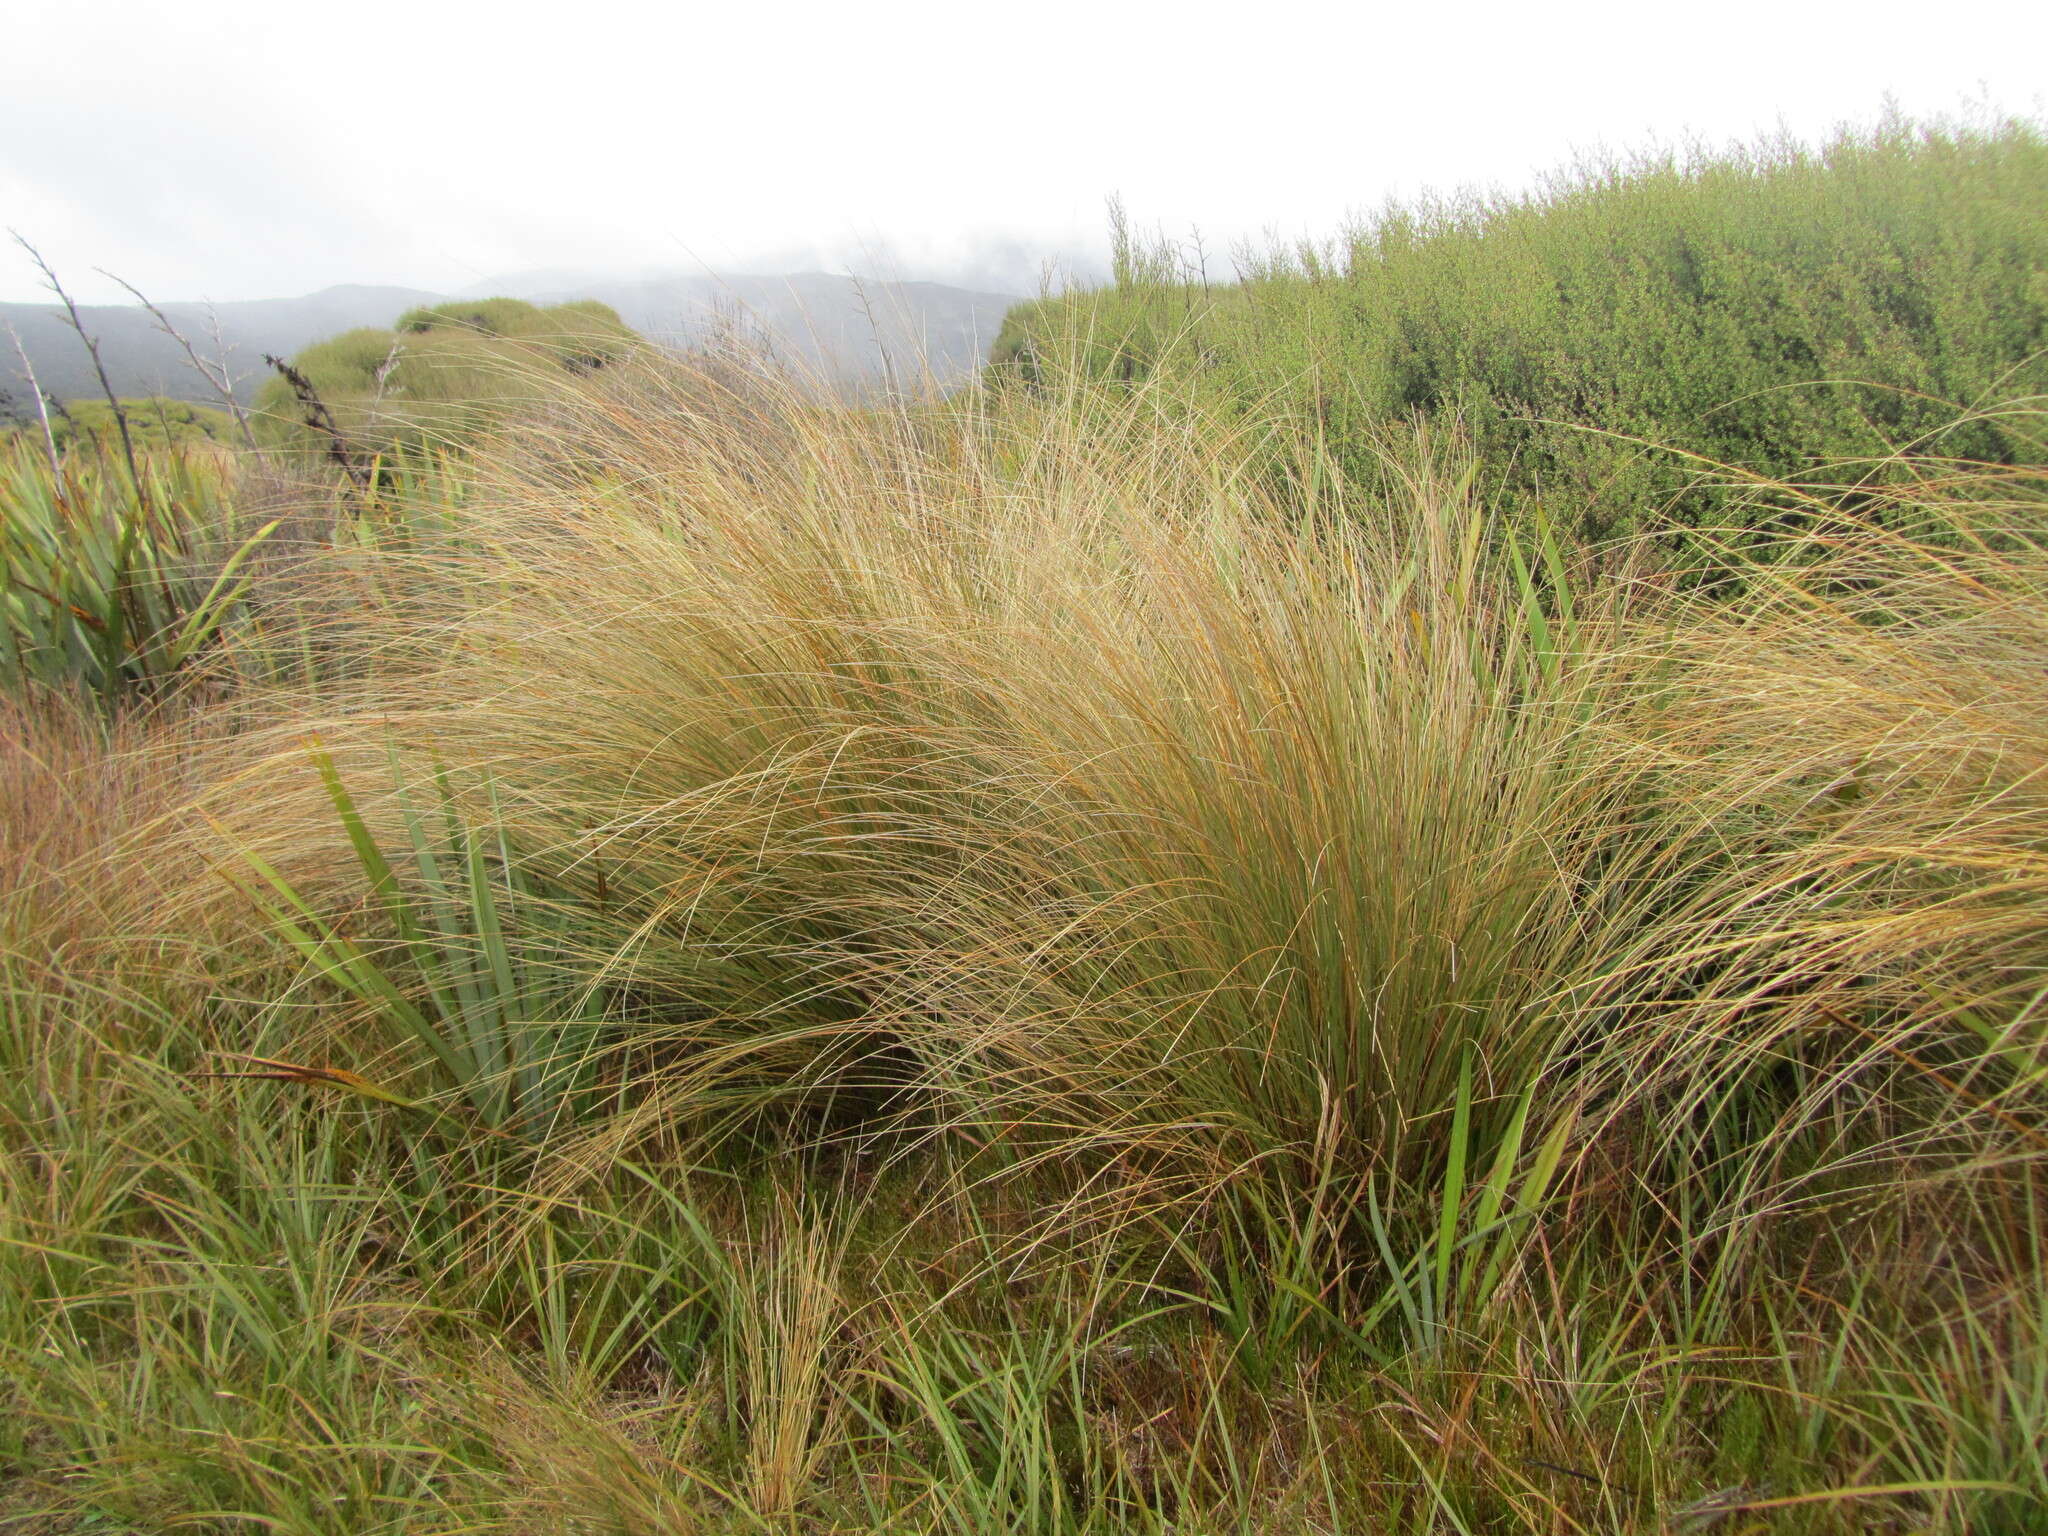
x=492 y=317
x=442 y=372
x=1766 y=311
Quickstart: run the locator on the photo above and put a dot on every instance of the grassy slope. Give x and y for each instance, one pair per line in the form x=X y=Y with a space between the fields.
x=730 y=964
x=156 y=422
x=1106 y=1016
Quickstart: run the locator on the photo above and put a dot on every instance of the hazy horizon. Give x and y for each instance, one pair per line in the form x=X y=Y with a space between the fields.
x=1016 y=280
x=247 y=152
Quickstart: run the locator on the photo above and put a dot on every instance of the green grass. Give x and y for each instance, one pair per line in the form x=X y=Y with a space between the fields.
x=727 y=964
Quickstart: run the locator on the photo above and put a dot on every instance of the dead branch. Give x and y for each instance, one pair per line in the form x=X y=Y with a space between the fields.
x=92 y=348
x=222 y=384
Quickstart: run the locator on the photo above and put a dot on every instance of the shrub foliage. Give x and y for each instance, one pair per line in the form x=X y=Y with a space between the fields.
x=1774 y=311
x=442 y=371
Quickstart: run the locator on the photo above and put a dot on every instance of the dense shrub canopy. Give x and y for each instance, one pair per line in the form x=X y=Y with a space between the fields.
x=1769 y=310
x=443 y=370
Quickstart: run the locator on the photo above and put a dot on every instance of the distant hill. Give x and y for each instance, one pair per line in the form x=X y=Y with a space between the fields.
x=854 y=331
x=846 y=328
x=141 y=360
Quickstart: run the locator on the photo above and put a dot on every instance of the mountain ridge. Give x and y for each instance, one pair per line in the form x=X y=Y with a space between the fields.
x=843 y=328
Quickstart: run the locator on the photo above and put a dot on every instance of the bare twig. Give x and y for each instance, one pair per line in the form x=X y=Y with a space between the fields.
x=321 y=420
x=92 y=348
x=385 y=369
x=42 y=402
x=220 y=381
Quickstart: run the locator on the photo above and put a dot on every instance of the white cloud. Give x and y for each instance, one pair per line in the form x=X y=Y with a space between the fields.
x=239 y=150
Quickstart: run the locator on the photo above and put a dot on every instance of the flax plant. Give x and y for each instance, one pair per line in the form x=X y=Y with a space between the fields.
x=116 y=587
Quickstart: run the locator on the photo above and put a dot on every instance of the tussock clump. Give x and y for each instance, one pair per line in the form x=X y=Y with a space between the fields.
x=1041 y=780
x=79 y=796
x=1870 y=722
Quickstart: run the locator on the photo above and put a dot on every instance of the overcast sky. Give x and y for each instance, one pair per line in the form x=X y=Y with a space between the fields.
x=233 y=150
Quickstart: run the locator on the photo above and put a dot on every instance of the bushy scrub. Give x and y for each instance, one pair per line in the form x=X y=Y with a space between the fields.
x=1051 y=786
x=1635 y=335
x=440 y=373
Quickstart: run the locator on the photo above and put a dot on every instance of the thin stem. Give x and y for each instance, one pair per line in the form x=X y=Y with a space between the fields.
x=92 y=348
x=42 y=401
x=222 y=385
